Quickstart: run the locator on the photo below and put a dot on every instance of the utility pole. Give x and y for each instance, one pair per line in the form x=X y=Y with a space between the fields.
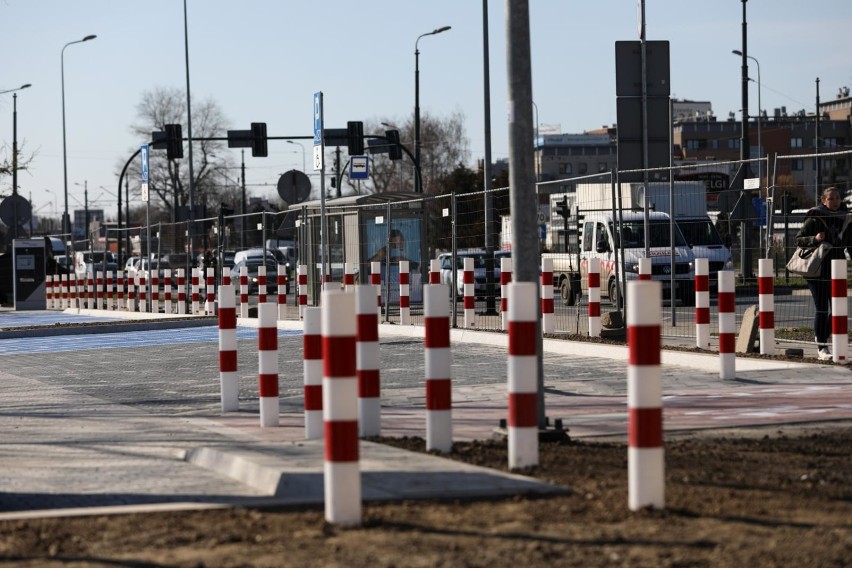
x=817 y=165
x=745 y=154
x=243 y=184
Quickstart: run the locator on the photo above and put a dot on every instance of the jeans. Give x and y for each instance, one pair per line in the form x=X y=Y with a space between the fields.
x=821 y=292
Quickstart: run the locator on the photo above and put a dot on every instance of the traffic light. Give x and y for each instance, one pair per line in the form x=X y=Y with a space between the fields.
x=355 y=138
x=562 y=208
x=258 y=140
x=174 y=142
x=394 y=151
x=225 y=209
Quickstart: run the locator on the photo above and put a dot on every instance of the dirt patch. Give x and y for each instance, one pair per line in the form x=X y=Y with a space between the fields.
x=767 y=499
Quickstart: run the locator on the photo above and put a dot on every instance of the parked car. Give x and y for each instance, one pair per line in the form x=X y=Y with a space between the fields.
x=252 y=263
x=479 y=270
x=275 y=254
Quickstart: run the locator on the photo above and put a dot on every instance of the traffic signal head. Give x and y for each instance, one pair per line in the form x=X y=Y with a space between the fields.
x=174 y=142
x=258 y=140
x=394 y=151
x=355 y=138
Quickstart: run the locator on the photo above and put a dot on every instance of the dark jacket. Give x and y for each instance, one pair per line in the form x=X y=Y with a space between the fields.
x=822 y=219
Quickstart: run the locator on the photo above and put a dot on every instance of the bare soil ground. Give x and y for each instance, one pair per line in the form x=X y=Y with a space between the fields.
x=780 y=497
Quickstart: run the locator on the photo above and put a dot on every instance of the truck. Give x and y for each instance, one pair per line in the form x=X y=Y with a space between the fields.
x=689 y=213
x=612 y=238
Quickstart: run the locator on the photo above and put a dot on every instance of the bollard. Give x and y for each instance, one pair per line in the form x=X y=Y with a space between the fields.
x=312 y=348
x=376 y=280
x=281 y=280
x=194 y=291
x=342 y=479
x=594 y=284
x=119 y=292
x=727 y=325
x=110 y=296
x=548 y=323
x=348 y=276
x=267 y=353
x=645 y=457
x=435 y=271
x=645 y=268
x=155 y=291
x=839 y=312
x=404 y=300
x=181 y=282
x=522 y=376
x=367 y=361
x=469 y=289
x=228 y=378
x=90 y=290
x=702 y=303
x=303 y=289
x=261 y=284
x=142 y=291
x=99 y=290
x=210 y=290
x=766 y=305
x=505 y=280
x=244 y=296
x=168 y=307
x=436 y=320
x=131 y=292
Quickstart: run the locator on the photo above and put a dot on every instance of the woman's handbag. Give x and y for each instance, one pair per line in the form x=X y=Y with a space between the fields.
x=807 y=262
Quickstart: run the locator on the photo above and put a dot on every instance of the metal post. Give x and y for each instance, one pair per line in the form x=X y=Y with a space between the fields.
x=817 y=165
x=191 y=236
x=418 y=187
x=243 y=184
x=745 y=153
x=486 y=170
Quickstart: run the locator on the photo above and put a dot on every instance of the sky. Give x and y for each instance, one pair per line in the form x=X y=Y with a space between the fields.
x=262 y=60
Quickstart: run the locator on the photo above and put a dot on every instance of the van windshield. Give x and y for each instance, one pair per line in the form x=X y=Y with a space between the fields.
x=633 y=234
x=700 y=232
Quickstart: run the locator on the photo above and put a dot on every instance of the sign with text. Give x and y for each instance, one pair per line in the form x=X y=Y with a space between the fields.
x=318 y=141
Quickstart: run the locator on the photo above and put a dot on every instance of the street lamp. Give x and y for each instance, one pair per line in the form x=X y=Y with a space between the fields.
x=419 y=181
x=65 y=227
x=15 y=146
x=759 y=113
x=302 y=148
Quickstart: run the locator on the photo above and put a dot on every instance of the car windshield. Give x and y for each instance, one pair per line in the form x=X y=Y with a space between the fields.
x=633 y=234
x=700 y=232
x=253 y=265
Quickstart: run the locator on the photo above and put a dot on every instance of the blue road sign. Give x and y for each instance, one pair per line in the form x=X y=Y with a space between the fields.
x=318 y=118
x=144 y=154
x=359 y=167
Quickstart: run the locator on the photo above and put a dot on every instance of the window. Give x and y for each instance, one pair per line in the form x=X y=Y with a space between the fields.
x=714 y=144
x=588 y=229
x=733 y=143
x=565 y=168
x=832 y=142
x=582 y=168
x=797 y=164
x=796 y=142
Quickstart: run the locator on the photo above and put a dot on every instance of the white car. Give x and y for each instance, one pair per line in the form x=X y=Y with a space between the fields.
x=479 y=270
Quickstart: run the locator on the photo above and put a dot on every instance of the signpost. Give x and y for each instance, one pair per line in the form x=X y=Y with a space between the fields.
x=144 y=153
x=319 y=163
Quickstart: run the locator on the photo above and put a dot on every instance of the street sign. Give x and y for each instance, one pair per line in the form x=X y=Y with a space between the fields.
x=359 y=167
x=751 y=183
x=144 y=153
x=318 y=141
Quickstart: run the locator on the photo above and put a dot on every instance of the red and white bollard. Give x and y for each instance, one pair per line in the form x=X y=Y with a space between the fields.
x=244 y=295
x=195 y=284
x=142 y=291
x=548 y=320
x=119 y=290
x=645 y=267
x=66 y=292
x=435 y=271
x=439 y=417
x=522 y=373
x=766 y=305
x=210 y=291
x=340 y=407
x=48 y=291
x=594 y=284
x=367 y=361
x=131 y=292
x=469 y=289
x=99 y=290
x=267 y=353
x=228 y=378
x=312 y=347
x=839 y=312
x=155 y=291
x=727 y=325
x=281 y=281
x=348 y=276
x=168 y=303
x=505 y=280
x=303 y=289
x=90 y=289
x=376 y=280
x=702 y=303
x=181 y=283
x=404 y=298
x=110 y=296
x=645 y=457
x=261 y=284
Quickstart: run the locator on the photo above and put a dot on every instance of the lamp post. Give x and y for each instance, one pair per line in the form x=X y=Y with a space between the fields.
x=419 y=181
x=15 y=146
x=759 y=114
x=85 y=186
x=302 y=148
x=65 y=220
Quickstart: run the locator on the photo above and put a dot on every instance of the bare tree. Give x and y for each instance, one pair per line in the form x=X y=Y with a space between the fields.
x=168 y=179
x=443 y=146
x=6 y=164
